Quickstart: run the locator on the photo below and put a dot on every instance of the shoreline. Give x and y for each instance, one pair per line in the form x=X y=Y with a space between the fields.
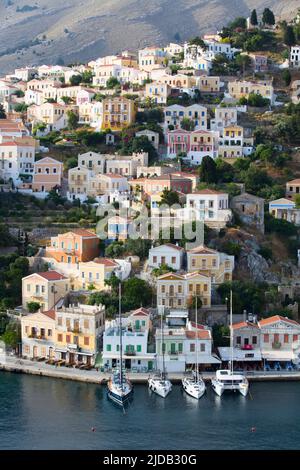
x=100 y=378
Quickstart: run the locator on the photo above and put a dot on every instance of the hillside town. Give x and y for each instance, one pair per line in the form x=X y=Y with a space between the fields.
x=155 y=195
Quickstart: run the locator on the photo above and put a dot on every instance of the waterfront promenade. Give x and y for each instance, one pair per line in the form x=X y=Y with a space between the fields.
x=16 y=365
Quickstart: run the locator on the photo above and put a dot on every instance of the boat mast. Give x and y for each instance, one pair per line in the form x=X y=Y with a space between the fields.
x=231 y=334
x=163 y=351
x=121 y=342
x=197 y=366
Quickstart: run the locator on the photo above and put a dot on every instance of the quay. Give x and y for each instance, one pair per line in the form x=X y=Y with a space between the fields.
x=22 y=366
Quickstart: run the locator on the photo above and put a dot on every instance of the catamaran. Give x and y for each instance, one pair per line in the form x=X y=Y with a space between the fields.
x=227 y=379
x=195 y=386
x=159 y=383
x=119 y=388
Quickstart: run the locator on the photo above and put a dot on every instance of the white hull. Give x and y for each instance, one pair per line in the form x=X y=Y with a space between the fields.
x=119 y=394
x=160 y=387
x=226 y=381
x=193 y=388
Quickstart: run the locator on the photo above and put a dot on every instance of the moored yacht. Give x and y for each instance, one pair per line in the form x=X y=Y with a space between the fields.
x=227 y=379
x=119 y=388
x=159 y=383
x=195 y=386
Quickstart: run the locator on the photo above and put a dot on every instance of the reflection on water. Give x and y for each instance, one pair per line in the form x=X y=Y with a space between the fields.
x=42 y=413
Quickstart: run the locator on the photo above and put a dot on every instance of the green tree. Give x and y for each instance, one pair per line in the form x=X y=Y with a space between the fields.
x=66 y=99
x=136 y=293
x=286 y=76
x=289 y=37
x=268 y=17
x=75 y=80
x=12 y=335
x=112 y=82
x=72 y=119
x=87 y=76
x=187 y=124
x=33 y=307
x=253 y=18
x=243 y=61
x=208 y=170
x=169 y=197
x=197 y=41
x=2 y=112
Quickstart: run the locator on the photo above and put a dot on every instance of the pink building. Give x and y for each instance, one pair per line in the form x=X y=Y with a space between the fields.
x=196 y=144
x=47 y=175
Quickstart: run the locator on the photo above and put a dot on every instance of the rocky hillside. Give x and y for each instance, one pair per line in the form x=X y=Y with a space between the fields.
x=44 y=31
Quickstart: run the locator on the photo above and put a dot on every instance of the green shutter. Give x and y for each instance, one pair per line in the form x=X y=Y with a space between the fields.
x=139 y=348
x=108 y=347
x=180 y=347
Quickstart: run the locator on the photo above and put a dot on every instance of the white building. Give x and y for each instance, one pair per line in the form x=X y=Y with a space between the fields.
x=211 y=206
x=224 y=117
x=16 y=158
x=169 y=254
x=180 y=342
x=135 y=336
x=295 y=56
x=152 y=136
x=174 y=115
x=158 y=92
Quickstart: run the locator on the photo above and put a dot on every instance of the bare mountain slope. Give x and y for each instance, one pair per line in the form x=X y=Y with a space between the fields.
x=83 y=29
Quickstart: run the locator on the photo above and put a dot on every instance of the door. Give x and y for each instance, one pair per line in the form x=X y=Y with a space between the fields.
x=35 y=351
x=173 y=348
x=150 y=365
x=137 y=324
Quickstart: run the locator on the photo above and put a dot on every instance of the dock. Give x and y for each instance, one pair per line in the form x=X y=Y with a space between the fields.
x=22 y=366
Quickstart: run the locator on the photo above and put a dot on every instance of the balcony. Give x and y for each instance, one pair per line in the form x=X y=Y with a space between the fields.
x=130 y=353
x=76 y=331
x=276 y=345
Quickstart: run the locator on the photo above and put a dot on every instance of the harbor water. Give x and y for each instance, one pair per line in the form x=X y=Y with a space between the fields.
x=46 y=413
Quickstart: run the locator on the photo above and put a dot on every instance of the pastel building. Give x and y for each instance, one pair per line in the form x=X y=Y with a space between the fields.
x=45 y=288
x=38 y=335
x=47 y=174
x=176 y=113
x=80 y=245
x=219 y=266
x=167 y=254
x=176 y=290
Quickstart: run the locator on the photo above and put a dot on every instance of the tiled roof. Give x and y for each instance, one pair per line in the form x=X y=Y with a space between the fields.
x=83 y=232
x=244 y=324
x=202 y=334
x=51 y=276
x=276 y=318
x=105 y=261
x=141 y=312
x=50 y=314
x=207 y=191
x=202 y=250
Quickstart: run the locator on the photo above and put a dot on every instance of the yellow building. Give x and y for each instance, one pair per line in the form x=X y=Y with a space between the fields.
x=177 y=290
x=45 y=288
x=219 y=266
x=94 y=273
x=77 y=333
x=118 y=113
x=209 y=84
x=38 y=334
x=239 y=89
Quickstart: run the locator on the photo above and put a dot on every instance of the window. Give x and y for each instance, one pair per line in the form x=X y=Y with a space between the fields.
x=59 y=321
x=49 y=332
x=154 y=259
x=108 y=347
x=266 y=338
x=286 y=338
x=238 y=340
x=68 y=338
x=295 y=337
x=28 y=287
x=202 y=347
x=173 y=259
x=139 y=348
x=86 y=341
x=192 y=347
x=59 y=338
x=254 y=339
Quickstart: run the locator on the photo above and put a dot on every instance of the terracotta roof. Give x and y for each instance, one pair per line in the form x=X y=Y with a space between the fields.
x=50 y=314
x=244 y=324
x=105 y=261
x=296 y=181
x=51 y=276
x=114 y=175
x=198 y=326
x=141 y=312
x=207 y=191
x=202 y=249
x=171 y=245
x=202 y=334
x=276 y=318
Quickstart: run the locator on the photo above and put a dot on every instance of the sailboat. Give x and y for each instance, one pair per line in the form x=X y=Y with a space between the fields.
x=195 y=386
x=159 y=383
x=119 y=388
x=227 y=379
